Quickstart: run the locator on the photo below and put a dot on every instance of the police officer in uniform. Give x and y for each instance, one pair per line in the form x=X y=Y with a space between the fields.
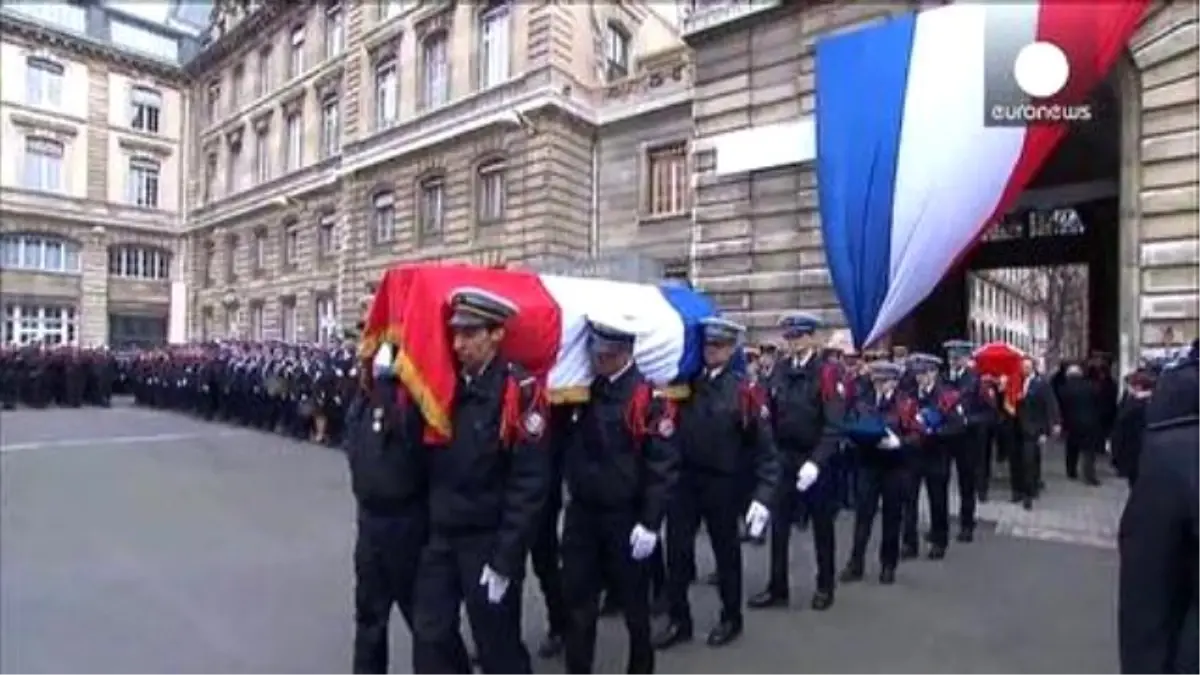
x=966 y=449
x=939 y=416
x=619 y=471
x=487 y=488
x=726 y=422
x=806 y=401
x=388 y=477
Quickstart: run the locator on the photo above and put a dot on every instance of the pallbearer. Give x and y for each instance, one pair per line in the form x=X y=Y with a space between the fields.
x=725 y=422
x=487 y=487
x=885 y=421
x=619 y=470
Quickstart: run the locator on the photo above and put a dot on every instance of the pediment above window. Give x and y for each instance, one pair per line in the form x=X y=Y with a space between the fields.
x=37 y=124
x=139 y=145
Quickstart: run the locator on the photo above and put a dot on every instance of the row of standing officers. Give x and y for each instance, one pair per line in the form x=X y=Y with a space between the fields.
x=632 y=461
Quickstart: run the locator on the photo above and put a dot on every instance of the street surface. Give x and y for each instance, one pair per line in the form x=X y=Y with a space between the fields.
x=140 y=541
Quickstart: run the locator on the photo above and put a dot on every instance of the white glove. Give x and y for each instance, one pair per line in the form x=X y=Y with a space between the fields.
x=496 y=585
x=889 y=442
x=757 y=517
x=642 y=542
x=807 y=476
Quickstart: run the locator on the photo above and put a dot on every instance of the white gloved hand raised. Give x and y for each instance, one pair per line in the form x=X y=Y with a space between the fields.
x=495 y=584
x=757 y=517
x=807 y=476
x=889 y=442
x=642 y=541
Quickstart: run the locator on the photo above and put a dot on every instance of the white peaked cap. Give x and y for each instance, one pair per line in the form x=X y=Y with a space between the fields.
x=384 y=356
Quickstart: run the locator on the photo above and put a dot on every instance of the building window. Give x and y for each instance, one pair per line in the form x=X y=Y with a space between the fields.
x=257 y=320
x=435 y=71
x=326 y=316
x=293 y=150
x=335 y=29
x=43 y=82
x=296 y=52
x=493 y=44
x=668 y=180
x=39 y=254
x=236 y=85
x=213 y=102
x=389 y=9
x=432 y=205
x=40 y=324
x=291 y=244
x=387 y=93
x=258 y=252
x=262 y=83
x=327 y=242
x=233 y=173
x=146 y=109
x=384 y=218
x=489 y=192
x=43 y=164
x=231 y=247
x=262 y=155
x=143 y=182
x=331 y=127
x=210 y=176
x=206 y=324
x=206 y=263
x=139 y=262
x=136 y=331
x=616 y=52
x=287 y=319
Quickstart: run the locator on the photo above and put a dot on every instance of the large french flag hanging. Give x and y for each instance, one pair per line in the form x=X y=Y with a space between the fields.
x=909 y=170
x=548 y=336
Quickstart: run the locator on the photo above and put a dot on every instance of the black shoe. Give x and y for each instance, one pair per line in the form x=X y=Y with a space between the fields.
x=551 y=646
x=887 y=576
x=983 y=496
x=937 y=552
x=1016 y=499
x=909 y=552
x=1092 y=482
x=1027 y=503
x=851 y=573
x=767 y=598
x=966 y=535
x=712 y=580
x=672 y=634
x=610 y=606
x=723 y=633
x=822 y=600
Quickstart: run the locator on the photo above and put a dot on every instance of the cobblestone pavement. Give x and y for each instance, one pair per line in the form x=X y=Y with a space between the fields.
x=136 y=541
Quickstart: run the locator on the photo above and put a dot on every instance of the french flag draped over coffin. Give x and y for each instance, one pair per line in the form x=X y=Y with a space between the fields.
x=908 y=174
x=548 y=336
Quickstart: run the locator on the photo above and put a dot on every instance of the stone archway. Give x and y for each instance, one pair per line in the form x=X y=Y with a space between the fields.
x=1160 y=188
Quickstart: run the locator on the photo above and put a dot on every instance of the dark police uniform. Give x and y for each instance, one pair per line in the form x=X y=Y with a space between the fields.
x=725 y=424
x=1157 y=611
x=881 y=468
x=966 y=448
x=619 y=471
x=487 y=488
x=807 y=406
x=388 y=475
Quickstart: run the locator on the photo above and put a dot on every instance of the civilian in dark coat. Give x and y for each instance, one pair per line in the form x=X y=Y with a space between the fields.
x=1083 y=422
x=1126 y=436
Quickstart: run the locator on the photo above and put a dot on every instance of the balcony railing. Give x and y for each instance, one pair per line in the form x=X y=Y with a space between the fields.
x=702 y=15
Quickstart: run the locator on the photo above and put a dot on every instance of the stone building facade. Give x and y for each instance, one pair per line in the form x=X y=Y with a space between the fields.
x=92 y=113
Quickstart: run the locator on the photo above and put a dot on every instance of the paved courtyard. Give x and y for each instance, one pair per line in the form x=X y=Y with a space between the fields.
x=139 y=541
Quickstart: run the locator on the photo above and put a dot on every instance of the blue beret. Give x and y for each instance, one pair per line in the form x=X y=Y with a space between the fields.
x=885 y=370
x=718 y=329
x=958 y=346
x=797 y=324
x=478 y=308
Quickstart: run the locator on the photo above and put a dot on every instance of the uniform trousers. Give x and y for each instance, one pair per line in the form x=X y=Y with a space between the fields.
x=820 y=505
x=881 y=488
x=385 y=572
x=929 y=466
x=448 y=577
x=965 y=453
x=596 y=549
x=713 y=498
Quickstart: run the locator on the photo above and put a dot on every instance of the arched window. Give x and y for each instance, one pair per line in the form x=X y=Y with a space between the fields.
x=493 y=48
x=489 y=191
x=435 y=70
x=139 y=262
x=39 y=253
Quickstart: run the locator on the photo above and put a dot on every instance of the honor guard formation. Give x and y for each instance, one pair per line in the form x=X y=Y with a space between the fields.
x=606 y=497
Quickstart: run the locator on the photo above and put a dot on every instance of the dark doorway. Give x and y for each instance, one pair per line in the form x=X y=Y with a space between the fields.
x=1066 y=221
x=132 y=330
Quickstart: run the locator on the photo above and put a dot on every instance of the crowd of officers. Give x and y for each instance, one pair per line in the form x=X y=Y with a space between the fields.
x=605 y=498
x=40 y=375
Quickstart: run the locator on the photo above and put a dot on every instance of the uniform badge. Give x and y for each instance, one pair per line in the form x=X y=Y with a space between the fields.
x=534 y=424
x=377 y=425
x=666 y=427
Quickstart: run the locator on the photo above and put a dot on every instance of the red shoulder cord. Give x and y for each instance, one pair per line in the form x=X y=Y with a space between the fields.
x=830 y=378
x=907 y=412
x=947 y=400
x=512 y=428
x=751 y=399
x=638 y=411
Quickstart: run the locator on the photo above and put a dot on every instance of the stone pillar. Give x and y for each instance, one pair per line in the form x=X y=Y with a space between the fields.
x=93 y=305
x=177 y=317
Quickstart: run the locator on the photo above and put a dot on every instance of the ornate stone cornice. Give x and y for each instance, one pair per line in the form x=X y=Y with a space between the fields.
x=42 y=36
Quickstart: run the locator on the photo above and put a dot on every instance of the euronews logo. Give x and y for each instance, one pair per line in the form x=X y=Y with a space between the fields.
x=1028 y=84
